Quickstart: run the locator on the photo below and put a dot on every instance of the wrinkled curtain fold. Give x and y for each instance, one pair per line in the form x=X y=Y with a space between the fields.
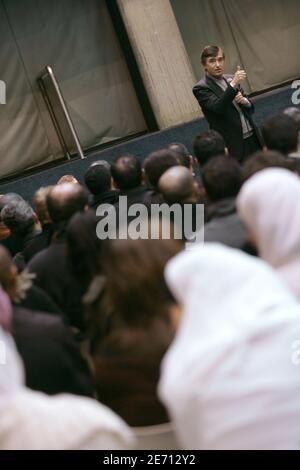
x=263 y=36
x=77 y=39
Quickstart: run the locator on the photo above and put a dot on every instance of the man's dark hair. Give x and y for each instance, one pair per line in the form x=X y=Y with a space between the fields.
x=222 y=177
x=182 y=153
x=134 y=271
x=19 y=217
x=208 y=144
x=98 y=178
x=260 y=160
x=65 y=200
x=157 y=163
x=126 y=171
x=210 y=51
x=280 y=133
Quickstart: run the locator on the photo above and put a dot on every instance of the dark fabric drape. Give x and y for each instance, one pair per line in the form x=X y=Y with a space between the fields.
x=262 y=36
x=77 y=39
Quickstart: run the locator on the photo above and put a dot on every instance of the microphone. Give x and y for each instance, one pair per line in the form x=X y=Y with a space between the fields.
x=238 y=67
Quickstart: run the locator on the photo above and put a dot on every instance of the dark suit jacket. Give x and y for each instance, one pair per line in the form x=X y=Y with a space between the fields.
x=55 y=278
x=51 y=355
x=109 y=197
x=135 y=195
x=225 y=225
x=38 y=242
x=221 y=114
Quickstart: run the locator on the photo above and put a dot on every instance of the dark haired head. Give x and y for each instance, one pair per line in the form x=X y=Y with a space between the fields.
x=135 y=278
x=208 y=144
x=97 y=177
x=280 y=133
x=222 y=177
x=157 y=163
x=210 y=51
x=126 y=172
x=261 y=160
x=182 y=153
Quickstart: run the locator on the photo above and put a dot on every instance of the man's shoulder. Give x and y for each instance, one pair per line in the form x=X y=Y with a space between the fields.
x=201 y=84
x=204 y=82
x=35 y=321
x=51 y=255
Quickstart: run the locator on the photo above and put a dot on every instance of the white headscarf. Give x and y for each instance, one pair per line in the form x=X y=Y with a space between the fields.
x=268 y=205
x=32 y=420
x=228 y=379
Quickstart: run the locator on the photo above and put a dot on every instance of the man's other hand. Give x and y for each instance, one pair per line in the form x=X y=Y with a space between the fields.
x=240 y=99
x=239 y=76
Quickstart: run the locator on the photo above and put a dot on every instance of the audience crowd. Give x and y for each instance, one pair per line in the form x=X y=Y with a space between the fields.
x=102 y=337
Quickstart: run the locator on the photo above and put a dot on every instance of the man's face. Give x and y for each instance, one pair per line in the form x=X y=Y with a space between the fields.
x=215 y=65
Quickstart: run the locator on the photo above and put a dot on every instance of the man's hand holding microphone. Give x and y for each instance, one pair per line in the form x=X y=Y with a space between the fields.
x=239 y=76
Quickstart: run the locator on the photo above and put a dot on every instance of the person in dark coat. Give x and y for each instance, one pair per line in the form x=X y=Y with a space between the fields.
x=50 y=265
x=98 y=181
x=23 y=222
x=178 y=186
x=225 y=105
x=127 y=355
x=155 y=165
x=21 y=289
x=222 y=179
x=43 y=239
x=51 y=354
x=126 y=172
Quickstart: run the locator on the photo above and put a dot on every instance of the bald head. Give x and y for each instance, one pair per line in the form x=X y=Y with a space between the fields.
x=67 y=179
x=65 y=200
x=177 y=185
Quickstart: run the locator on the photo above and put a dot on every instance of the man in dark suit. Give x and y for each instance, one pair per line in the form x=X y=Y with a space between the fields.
x=225 y=106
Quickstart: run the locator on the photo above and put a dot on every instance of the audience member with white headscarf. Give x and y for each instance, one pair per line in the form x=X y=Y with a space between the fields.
x=228 y=379
x=32 y=420
x=268 y=205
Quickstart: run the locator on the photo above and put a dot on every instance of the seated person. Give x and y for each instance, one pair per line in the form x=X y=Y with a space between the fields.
x=127 y=348
x=230 y=378
x=98 y=181
x=222 y=179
